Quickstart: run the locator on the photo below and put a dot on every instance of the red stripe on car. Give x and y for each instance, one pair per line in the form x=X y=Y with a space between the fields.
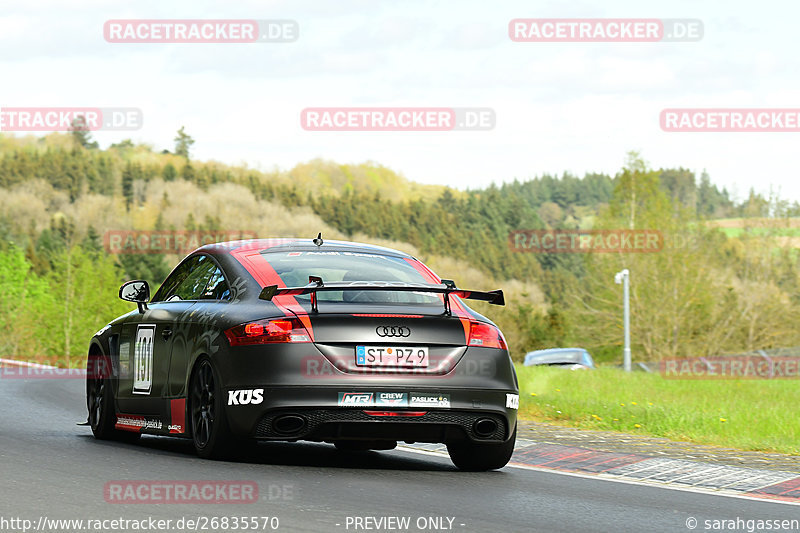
x=177 y=410
x=264 y=274
x=455 y=303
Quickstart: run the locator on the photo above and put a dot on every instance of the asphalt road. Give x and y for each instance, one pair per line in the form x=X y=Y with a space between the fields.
x=51 y=467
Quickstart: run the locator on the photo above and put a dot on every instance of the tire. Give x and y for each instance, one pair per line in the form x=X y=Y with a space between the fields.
x=209 y=427
x=479 y=457
x=100 y=404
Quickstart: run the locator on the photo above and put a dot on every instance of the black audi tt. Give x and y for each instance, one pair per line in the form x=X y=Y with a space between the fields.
x=283 y=339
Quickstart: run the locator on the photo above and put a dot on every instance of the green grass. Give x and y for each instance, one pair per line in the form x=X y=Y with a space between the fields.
x=771 y=232
x=746 y=414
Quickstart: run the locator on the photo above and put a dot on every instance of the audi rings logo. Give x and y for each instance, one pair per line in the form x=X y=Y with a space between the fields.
x=393 y=331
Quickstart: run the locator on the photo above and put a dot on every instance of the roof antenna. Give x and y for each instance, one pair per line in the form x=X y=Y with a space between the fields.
x=318 y=241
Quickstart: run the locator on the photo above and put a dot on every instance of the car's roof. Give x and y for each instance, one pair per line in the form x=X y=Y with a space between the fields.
x=287 y=244
x=555 y=351
x=556 y=356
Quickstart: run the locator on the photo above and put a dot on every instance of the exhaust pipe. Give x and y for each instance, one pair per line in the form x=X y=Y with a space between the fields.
x=484 y=427
x=289 y=424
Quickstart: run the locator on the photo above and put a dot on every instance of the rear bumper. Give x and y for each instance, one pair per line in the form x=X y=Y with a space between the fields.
x=355 y=424
x=317 y=414
x=299 y=381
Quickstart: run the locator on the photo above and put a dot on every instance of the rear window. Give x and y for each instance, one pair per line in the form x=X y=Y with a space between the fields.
x=294 y=268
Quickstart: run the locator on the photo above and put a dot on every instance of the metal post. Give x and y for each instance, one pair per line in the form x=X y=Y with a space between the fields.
x=623 y=278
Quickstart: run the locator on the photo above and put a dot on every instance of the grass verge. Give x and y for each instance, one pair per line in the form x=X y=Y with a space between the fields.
x=746 y=414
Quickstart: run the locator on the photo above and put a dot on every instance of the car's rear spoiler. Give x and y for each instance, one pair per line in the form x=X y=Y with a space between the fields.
x=447 y=287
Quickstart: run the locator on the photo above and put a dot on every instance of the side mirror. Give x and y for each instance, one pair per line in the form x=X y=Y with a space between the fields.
x=136 y=291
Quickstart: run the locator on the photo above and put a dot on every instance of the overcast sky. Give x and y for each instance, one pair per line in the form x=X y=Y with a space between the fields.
x=573 y=107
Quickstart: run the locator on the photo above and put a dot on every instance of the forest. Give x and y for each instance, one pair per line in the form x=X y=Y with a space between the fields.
x=726 y=280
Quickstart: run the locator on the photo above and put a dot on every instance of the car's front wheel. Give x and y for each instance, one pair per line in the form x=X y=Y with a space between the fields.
x=100 y=403
x=480 y=456
x=210 y=433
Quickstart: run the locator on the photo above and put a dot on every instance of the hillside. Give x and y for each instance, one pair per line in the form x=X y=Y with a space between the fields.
x=720 y=293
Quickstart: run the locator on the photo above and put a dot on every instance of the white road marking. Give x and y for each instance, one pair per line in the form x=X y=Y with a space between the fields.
x=13 y=362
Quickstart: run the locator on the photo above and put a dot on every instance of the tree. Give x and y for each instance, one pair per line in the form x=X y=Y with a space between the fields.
x=188 y=173
x=183 y=143
x=672 y=290
x=125 y=144
x=127 y=185
x=84 y=286
x=169 y=173
x=80 y=133
x=25 y=298
x=550 y=213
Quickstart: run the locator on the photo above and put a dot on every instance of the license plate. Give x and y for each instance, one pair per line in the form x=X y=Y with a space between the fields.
x=392 y=356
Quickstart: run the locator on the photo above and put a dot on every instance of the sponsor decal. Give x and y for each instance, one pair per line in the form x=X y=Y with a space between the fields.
x=245 y=397
x=512 y=401
x=419 y=399
x=356 y=399
x=143 y=359
x=392 y=399
x=133 y=422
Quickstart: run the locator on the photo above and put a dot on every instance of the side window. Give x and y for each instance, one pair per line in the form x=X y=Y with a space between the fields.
x=197 y=279
x=194 y=284
x=217 y=288
x=167 y=288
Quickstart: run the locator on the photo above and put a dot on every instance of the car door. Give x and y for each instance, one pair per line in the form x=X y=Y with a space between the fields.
x=209 y=290
x=146 y=338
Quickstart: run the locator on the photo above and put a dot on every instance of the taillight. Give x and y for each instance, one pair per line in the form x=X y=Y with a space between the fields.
x=279 y=330
x=486 y=336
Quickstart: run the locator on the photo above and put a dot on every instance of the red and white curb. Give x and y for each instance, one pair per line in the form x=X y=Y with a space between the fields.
x=676 y=474
x=26 y=364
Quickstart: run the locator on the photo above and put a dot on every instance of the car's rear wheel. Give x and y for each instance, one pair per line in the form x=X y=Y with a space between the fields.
x=210 y=433
x=479 y=456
